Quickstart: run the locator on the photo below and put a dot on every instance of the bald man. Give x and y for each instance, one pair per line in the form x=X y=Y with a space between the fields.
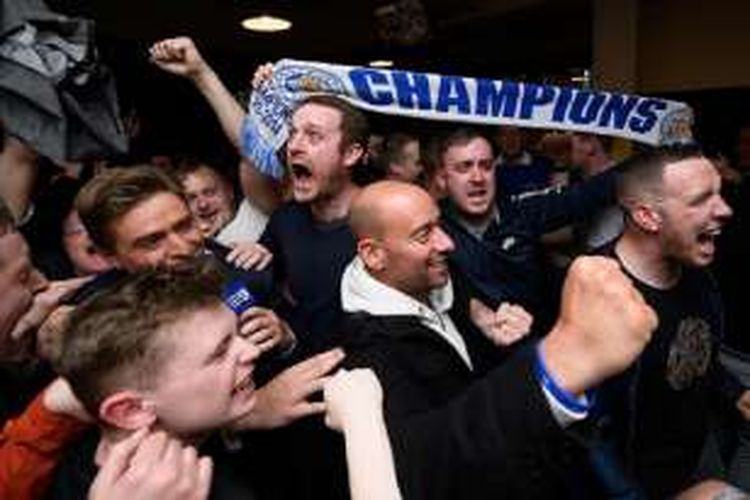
x=460 y=428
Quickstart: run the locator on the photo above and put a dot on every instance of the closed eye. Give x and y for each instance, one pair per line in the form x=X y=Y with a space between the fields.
x=221 y=350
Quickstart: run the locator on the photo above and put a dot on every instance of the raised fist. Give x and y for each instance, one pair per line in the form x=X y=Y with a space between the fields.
x=604 y=324
x=178 y=56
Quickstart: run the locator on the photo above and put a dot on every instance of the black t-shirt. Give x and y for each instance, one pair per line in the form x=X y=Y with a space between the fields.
x=661 y=405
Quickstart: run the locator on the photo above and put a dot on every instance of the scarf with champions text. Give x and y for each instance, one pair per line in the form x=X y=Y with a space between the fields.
x=479 y=101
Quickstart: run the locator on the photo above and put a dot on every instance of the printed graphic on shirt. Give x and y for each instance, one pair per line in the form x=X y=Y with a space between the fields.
x=689 y=353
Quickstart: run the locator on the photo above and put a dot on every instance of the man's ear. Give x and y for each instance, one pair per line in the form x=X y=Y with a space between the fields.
x=440 y=179
x=109 y=255
x=129 y=410
x=372 y=254
x=646 y=217
x=353 y=154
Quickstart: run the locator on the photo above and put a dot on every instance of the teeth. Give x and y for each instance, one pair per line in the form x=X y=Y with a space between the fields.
x=710 y=233
x=245 y=383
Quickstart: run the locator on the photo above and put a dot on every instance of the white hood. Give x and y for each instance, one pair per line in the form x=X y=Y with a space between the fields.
x=360 y=292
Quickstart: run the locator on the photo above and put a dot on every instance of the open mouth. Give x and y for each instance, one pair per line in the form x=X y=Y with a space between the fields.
x=246 y=385
x=439 y=263
x=709 y=235
x=301 y=171
x=208 y=216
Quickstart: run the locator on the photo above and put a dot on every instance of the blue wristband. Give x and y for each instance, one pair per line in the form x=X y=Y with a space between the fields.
x=566 y=399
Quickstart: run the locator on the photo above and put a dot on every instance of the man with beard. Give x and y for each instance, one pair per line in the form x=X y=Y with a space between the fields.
x=31 y=443
x=674 y=213
x=211 y=201
x=461 y=427
x=140 y=218
x=309 y=238
x=161 y=351
x=498 y=240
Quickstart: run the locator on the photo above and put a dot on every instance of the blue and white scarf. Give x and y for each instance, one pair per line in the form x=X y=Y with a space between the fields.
x=454 y=98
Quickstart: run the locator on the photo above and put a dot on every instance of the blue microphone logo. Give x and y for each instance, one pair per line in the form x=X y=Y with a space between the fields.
x=237 y=297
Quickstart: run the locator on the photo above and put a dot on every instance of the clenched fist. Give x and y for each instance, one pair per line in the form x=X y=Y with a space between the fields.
x=179 y=56
x=603 y=325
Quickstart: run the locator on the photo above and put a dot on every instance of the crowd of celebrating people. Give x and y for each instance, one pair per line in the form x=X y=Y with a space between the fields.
x=459 y=315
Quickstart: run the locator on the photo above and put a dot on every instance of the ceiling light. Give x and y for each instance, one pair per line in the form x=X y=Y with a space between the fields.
x=381 y=63
x=266 y=24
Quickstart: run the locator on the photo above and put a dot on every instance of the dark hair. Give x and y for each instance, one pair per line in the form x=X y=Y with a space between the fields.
x=113 y=193
x=116 y=339
x=458 y=137
x=354 y=126
x=642 y=173
x=187 y=166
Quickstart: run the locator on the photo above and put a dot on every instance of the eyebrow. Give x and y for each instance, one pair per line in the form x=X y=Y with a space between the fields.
x=424 y=227
x=184 y=220
x=147 y=238
x=220 y=349
x=698 y=198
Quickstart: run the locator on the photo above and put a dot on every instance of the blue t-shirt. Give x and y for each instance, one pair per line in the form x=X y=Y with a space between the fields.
x=309 y=258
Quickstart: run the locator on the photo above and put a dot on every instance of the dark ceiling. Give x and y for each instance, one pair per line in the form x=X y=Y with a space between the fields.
x=494 y=37
x=528 y=39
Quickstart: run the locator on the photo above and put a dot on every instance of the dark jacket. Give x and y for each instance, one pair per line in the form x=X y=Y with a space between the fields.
x=454 y=434
x=504 y=265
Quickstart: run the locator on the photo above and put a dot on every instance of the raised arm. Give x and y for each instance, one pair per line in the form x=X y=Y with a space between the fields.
x=180 y=56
